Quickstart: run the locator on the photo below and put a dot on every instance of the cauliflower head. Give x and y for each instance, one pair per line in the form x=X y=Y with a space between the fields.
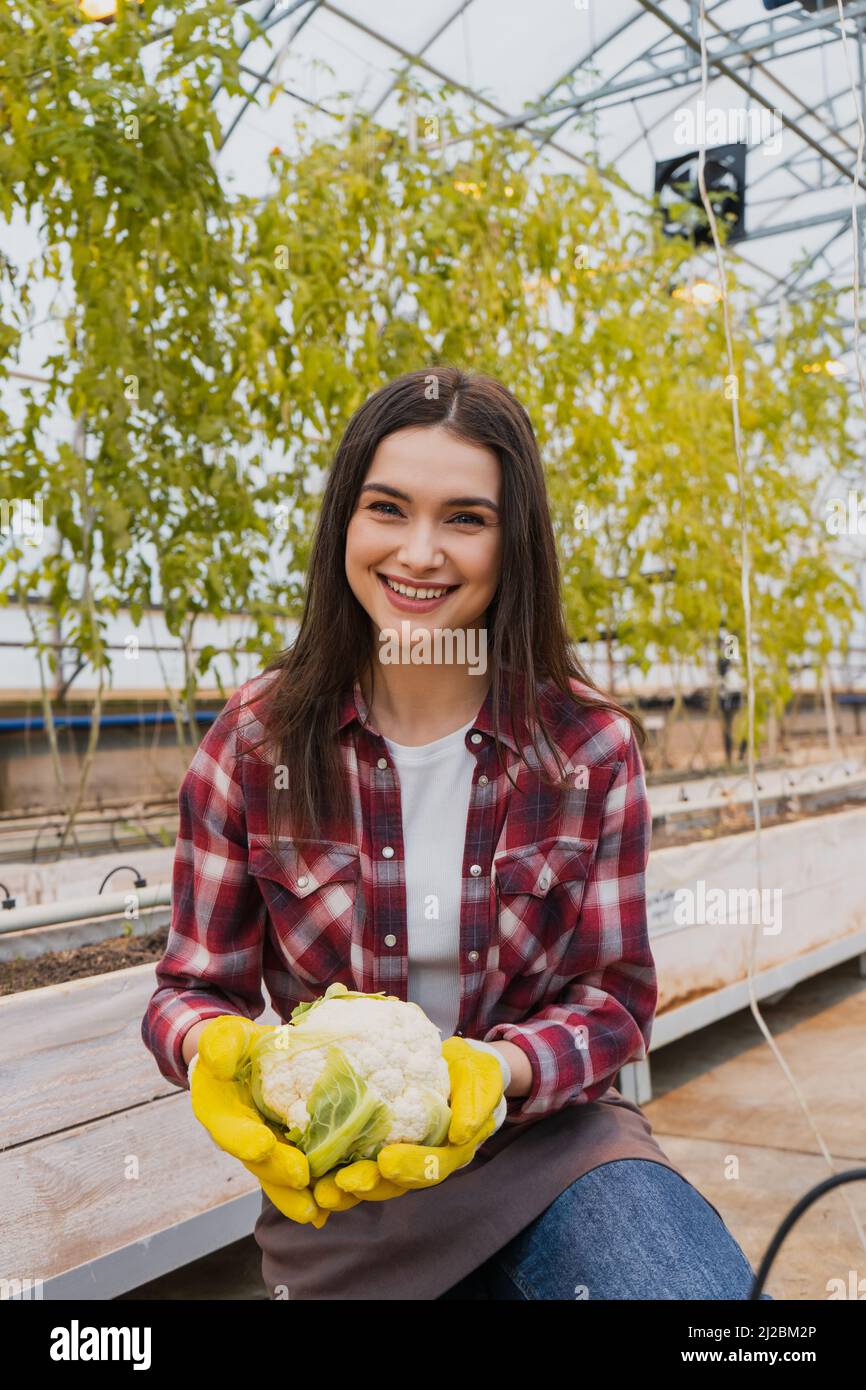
x=350 y=1073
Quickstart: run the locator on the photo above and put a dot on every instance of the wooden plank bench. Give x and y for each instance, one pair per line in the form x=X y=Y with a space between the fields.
x=108 y=1180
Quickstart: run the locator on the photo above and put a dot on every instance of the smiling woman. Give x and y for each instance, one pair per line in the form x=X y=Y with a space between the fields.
x=437 y=483
x=416 y=546
x=473 y=843
x=429 y=549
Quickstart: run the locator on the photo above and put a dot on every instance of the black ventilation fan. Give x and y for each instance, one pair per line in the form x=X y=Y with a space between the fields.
x=679 y=192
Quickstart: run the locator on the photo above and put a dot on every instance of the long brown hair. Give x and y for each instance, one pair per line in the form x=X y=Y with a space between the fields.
x=526 y=630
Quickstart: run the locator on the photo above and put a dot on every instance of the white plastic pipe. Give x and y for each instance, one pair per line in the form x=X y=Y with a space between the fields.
x=130 y=900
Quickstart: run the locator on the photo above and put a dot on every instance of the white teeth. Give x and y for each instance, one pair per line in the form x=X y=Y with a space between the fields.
x=409 y=591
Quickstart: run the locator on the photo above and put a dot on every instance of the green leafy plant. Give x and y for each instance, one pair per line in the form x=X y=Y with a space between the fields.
x=211 y=346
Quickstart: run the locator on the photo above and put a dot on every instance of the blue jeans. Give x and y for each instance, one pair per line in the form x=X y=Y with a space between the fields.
x=628 y=1229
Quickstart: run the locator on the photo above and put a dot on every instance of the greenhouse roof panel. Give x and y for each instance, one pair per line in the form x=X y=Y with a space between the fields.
x=619 y=81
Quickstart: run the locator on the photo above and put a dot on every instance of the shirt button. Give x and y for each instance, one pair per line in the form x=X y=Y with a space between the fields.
x=473 y=955
x=482 y=780
x=390 y=940
x=387 y=852
x=382 y=763
x=545 y=880
x=475 y=870
x=303 y=881
x=475 y=738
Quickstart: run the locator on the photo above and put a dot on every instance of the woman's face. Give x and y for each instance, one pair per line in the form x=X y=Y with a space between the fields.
x=426 y=519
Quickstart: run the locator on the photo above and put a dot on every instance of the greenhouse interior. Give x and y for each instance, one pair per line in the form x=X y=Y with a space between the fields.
x=538 y=325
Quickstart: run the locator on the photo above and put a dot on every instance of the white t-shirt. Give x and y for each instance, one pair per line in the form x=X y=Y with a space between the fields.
x=435 y=787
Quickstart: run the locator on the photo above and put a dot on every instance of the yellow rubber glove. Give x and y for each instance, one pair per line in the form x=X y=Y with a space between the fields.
x=225 y=1107
x=477 y=1082
x=343 y=1188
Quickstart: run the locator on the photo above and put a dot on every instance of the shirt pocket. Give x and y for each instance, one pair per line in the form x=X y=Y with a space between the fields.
x=539 y=894
x=311 y=894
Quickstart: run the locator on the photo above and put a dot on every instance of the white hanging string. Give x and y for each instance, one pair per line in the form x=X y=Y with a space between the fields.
x=854 y=191
x=745 y=584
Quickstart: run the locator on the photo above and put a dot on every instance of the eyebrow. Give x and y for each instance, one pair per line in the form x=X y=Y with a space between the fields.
x=449 y=501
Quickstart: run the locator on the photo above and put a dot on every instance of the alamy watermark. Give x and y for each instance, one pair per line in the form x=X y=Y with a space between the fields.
x=28 y=1287
x=854 y=1288
x=846 y=517
x=77 y=1343
x=439 y=646
x=22 y=516
x=705 y=906
x=712 y=125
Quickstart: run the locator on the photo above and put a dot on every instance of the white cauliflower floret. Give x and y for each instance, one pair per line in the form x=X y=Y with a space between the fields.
x=410 y=1114
x=388 y=1081
x=391 y=1045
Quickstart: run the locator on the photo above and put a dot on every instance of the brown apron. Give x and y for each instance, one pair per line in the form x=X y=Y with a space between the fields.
x=419 y=1245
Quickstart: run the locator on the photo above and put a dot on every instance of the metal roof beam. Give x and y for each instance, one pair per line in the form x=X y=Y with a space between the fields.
x=818 y=220
x=696 y=82
x=798 y=154
x=747 y=87
x=613 y=88
x=566 y=106
x=792 y=282
x=798 y=24
x=265 y=76
x=747 y=49
x=686 y=83
x=596 y=48
x=432 y=39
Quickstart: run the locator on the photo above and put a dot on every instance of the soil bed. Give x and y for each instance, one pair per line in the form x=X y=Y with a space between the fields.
x=739 y=820
x=56 y=967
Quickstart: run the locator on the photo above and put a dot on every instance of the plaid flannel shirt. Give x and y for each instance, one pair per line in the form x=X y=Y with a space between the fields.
x=554 y=949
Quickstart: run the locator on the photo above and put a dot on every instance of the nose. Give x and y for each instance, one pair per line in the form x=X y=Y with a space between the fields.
x=420 y=549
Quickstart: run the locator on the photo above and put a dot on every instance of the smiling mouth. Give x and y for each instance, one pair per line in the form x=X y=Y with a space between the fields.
x=418 y=593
